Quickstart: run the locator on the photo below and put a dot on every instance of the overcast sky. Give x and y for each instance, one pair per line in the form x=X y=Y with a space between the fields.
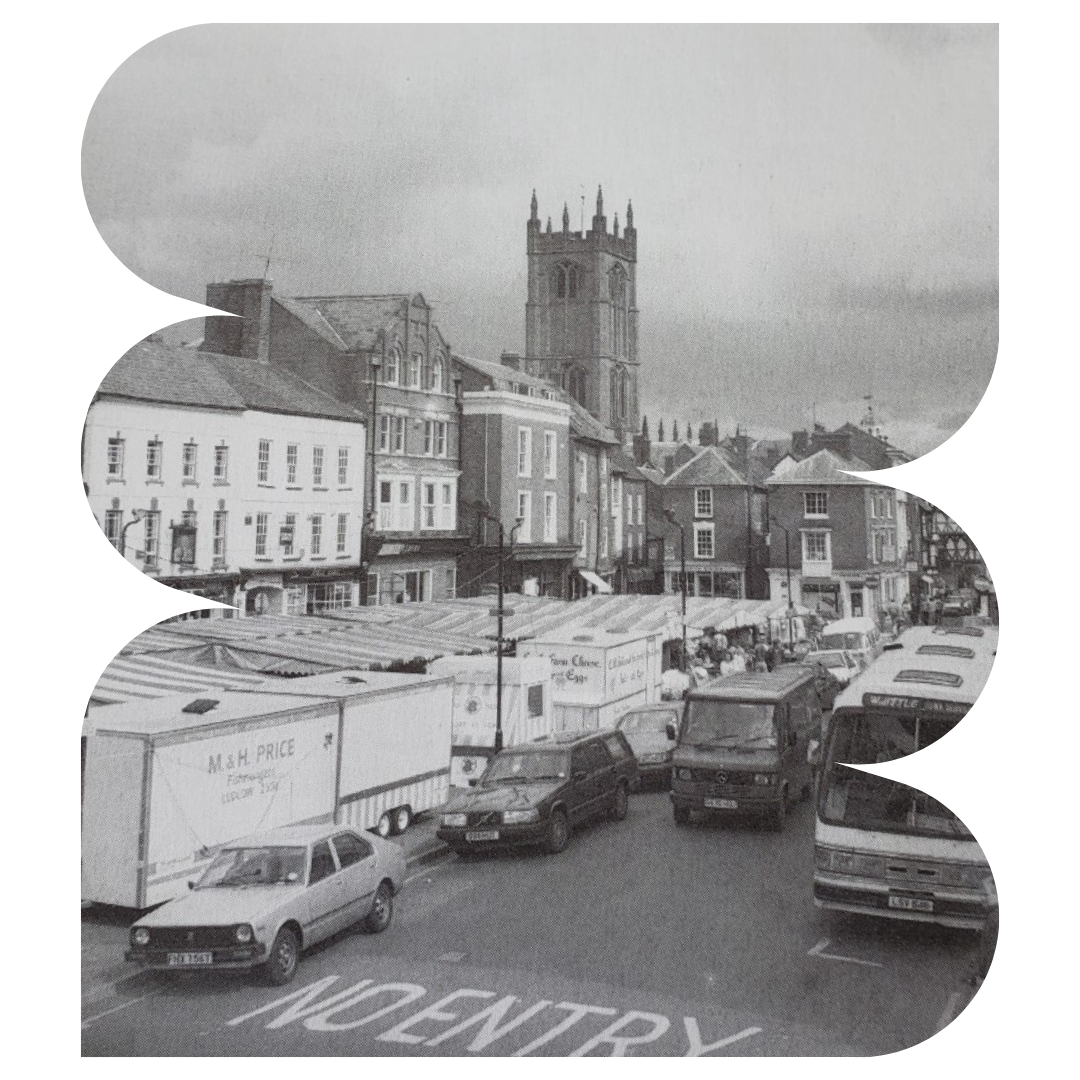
x=816 y=206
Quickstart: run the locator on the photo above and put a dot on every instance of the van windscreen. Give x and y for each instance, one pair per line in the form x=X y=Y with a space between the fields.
x=842 y=641
x=731 y=724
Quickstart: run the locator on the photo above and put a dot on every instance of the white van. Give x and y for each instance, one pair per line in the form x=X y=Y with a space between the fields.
x=857 y=636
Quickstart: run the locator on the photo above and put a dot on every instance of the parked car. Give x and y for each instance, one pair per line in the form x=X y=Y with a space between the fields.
x=266 y=898
x=645 y=728
x=838 y=662
x=536 y=792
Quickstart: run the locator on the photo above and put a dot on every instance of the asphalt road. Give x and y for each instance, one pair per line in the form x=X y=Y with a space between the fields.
x=642 y=938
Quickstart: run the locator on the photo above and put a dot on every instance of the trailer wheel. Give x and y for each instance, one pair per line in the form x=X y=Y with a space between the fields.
x=400 y=820
x=284 y=956
x=383 y=826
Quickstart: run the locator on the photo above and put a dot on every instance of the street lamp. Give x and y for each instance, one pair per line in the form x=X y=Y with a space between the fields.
x=137 y=516
x=670 y=515
x=499 y=613
x=787 y=566
x=370 y=522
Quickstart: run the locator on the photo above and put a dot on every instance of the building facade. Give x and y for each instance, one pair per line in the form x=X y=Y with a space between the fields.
x=516 y=444
x=629 y=513
x=385 y=357
x=222 y=477
x=581 y=316
x=591 y=521
x=848 y=540
x=723 y=520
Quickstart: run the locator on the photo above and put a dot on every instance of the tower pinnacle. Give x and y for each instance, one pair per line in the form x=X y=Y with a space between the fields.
x=599 y=202
x=565 y=218
x=533 y=207
x=629 y=215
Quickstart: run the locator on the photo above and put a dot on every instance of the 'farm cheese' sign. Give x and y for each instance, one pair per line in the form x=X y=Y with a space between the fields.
x=592 y=675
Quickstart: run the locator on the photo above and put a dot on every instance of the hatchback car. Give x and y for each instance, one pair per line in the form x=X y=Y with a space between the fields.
x=645 y=729
x=266 y=898
x=535 y=793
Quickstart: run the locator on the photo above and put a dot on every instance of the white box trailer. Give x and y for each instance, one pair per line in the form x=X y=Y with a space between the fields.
x=527 y=707
x=395 y=744
x=598 y=675
x=169 y=781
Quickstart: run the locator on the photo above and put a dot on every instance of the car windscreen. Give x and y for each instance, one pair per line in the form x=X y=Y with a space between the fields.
x=255 y=866
x=828 y=659
x=842 y=641
x=646 y=721
x=728 y=723
x=527 y=765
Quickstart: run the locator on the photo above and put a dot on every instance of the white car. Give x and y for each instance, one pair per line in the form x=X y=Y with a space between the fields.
x=266 y=898
x=837 y=662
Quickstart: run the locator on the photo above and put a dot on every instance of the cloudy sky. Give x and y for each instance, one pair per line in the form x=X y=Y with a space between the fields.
x=816 y=206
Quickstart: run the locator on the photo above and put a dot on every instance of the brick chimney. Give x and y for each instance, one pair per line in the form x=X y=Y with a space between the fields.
x=250 y=334
x=642 y=450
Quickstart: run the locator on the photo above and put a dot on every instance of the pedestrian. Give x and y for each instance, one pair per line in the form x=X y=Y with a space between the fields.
x=987 y=936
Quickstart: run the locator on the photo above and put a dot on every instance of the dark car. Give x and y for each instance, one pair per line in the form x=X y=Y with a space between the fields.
x=645 y=728
x=535 y=793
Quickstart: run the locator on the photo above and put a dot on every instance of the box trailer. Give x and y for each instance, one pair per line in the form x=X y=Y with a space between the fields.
x=395 y=745
x=598 y=675
x=527 y=707
x=169 y=781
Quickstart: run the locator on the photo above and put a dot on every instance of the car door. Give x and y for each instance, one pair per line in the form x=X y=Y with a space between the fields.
x=579 y=790
x=325 y=896
x=358 y=874
x=605 y=769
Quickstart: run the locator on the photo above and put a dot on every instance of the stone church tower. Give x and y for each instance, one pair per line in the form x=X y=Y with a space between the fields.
x=581 y=314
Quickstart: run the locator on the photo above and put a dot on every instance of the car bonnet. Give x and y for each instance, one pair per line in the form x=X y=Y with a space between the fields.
x=222 y=906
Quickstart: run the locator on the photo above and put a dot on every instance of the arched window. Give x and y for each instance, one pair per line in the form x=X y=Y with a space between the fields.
x=574 y=384
x=566 y=281
x=617 y=296
x=558 y=279
x=614 y=394
x=392 y=367
x=437 y=375
x=572 y=282
x=416 y=367
x=624 y=394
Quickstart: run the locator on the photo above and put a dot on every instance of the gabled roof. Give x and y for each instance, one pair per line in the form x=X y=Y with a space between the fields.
x=349 y=323
x=710 y=466
x=622 y=464
x=173 y=375
x=585 y=426
x=504 y=377
x=824 y=467
x=651 y=473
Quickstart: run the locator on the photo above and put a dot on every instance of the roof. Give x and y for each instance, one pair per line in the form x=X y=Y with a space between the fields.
x=900 y=674
x=349 y=323
x=174 y=375
x=585 y=426
x=651 y=473
x=560 y=738
x=507 y=376
x=823 y=467
x=854 y=624
x=149 y=675
x=756 y=686
x=710 y=466
x=621 y=463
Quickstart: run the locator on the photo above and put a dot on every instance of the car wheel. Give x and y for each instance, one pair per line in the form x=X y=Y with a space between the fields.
x=382 y=909
x=620 y=803
x=284 y=956
x=400 y=820
x=558 y=833
x=682 y=815
x=383 y=825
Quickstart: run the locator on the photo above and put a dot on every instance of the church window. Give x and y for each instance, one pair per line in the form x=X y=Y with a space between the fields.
x=566 y=282
x=617 y=296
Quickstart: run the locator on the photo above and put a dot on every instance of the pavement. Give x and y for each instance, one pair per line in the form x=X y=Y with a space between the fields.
x=105 y=929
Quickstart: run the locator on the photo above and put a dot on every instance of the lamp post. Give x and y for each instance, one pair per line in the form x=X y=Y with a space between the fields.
x=137 y=516
x=670 y=515
x=370 y=520
x=787 y=566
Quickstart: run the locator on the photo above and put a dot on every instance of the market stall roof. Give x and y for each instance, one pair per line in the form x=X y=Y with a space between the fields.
x=147 y=675
x=596 y=581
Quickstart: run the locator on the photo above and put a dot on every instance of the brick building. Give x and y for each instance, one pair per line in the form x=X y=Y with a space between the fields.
x=338 y=343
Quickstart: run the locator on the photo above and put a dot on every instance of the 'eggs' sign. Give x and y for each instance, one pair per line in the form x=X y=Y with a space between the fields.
x=584 y=674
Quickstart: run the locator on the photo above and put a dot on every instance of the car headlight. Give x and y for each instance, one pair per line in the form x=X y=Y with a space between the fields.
x=683 y=774
x=243 y=933
x=764 y=779
x=520 y=817
x=963 y=877
x=453 y=820
x=654 y=759
x=140 y=936
x=848 y=862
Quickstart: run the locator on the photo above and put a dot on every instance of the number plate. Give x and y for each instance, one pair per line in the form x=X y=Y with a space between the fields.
x=490 y=834
x=910 y=903
x=184 y=958
x=721 y=804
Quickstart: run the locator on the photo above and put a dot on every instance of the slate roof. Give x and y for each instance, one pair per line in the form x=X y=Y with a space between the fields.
x=624 y=465
x=174 y=375
x=824 y=467
x=710 y=467
x=504 y=377
x=349 y=323
x=585 y=426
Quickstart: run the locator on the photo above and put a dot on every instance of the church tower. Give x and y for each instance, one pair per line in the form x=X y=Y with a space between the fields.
x=581 y=313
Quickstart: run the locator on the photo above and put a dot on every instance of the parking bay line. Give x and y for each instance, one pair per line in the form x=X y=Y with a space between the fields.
x=116 y=1008
x=819 y=951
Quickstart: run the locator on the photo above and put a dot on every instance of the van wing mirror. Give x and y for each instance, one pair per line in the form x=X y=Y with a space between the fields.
x=670 y=731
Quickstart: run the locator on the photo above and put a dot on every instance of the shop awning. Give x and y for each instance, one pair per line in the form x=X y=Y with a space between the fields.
x=595 y=580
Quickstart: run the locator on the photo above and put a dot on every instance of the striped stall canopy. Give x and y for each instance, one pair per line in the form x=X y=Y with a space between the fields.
x=149 y=675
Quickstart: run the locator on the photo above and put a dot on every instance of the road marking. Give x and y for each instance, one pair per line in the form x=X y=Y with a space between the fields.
x=116 y=1008
x=431 y=868
x=452 y=957
x=819 y=951
x=951 y=1010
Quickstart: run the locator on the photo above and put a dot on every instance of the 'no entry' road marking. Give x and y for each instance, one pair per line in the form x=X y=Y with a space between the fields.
x=819 y=951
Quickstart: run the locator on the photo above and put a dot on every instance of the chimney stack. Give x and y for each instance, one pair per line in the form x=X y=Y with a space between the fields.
x=247 y=336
